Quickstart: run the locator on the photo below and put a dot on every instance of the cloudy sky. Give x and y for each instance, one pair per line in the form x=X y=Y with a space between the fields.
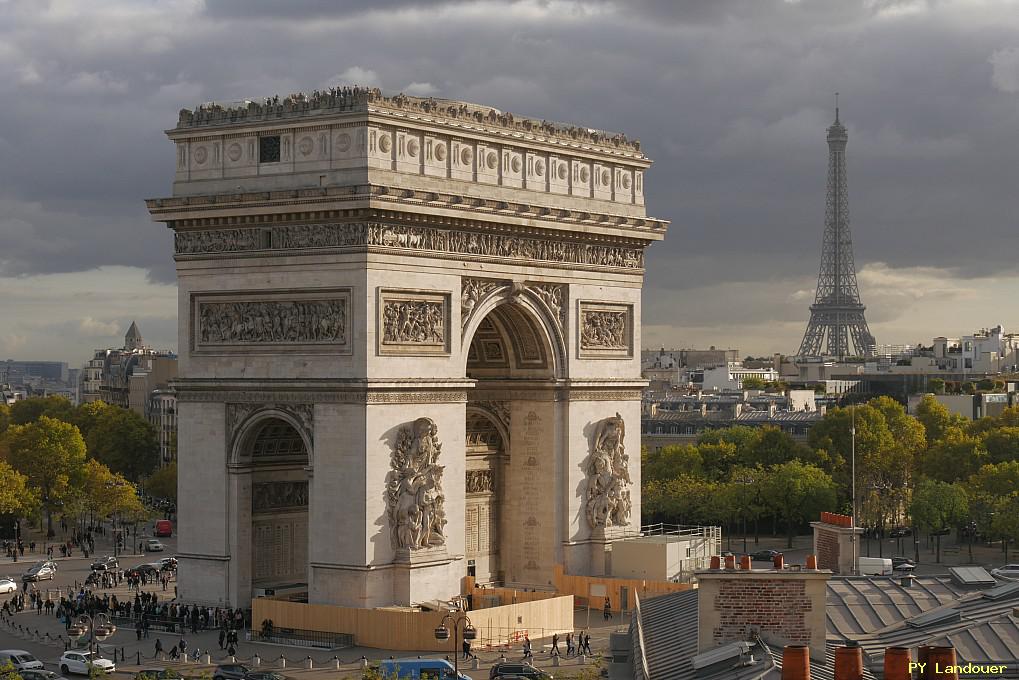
x=731 y=99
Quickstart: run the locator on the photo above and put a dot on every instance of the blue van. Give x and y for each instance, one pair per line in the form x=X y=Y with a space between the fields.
x=419 y=669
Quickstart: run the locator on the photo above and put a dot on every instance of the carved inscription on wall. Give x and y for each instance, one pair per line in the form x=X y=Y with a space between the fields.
x=414 y=496
x=606 y=330
x=450 y=241
x=608 y=476
x=531 y=496
x=269 y=496
x=246 y=320
x=413 y=322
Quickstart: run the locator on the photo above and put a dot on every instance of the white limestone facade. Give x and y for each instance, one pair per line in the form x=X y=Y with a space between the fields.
x=408 y=347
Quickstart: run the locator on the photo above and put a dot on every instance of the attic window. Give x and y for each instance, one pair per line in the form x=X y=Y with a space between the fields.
x=269 y=149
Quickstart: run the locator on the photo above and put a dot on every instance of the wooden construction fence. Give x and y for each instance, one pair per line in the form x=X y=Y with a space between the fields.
x=406 y=630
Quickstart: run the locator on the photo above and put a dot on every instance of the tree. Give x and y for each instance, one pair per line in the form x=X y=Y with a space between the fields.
x=936 y=385
x=1006 y=520
x=936 y=418
x=88 y=415
x=125 y=442
x=163 y=482
x=774 y=447
x=1002 y=444
x=939 y=506
x=104 y=492
x=753 y=382
x=30 y=410
x=956 y=455
x=16 y=496
x=5 y=417
x=49 y=452
x=796 y=493
x=743 y=438
x=987 y=487
x=985 y=384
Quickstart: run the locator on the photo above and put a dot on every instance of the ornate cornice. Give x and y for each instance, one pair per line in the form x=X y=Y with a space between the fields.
x=385 y=197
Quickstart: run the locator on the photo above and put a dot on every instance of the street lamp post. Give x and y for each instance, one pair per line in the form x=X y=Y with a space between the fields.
x=98 y=628
x=852 y=433
x=744 y=480
x=457 y=617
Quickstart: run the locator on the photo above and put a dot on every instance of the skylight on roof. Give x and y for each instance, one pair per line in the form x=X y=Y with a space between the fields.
x=934 y=617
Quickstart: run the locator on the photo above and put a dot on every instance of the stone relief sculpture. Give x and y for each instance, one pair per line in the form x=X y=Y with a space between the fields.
x=608 y=476
x=480 y=481
x=419 y=322
x=270 y=321
x=278 y=495
x=604 y=330
x=554 y=297
x=473 y=291
x=455 y=242
x=414 y=497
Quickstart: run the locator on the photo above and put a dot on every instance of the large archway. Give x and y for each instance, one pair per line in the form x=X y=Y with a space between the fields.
x=276 y=456
x=511 y=454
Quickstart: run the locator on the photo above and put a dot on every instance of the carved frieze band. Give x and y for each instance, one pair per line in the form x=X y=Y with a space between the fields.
x=606 y=330
x=308 y=398
x=245 y=320
x=413 y=322
x=266 y=496
x=237 y=415
x=452 y=241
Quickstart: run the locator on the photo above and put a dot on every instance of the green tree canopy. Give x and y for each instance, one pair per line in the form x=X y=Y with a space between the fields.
x=124 y=442
x=753 y=382
x=1002 y=444
x=16 y=496
x=667 y=463
x=936 y=385
x=30 y=410
x=88 y=415
x=50 y=453
x=936 y=418
x=163 y=482
x=743 y=438
x=797 y=493
x=5 y=417
x=954 y=456
x=774 y=447
x=939 y=505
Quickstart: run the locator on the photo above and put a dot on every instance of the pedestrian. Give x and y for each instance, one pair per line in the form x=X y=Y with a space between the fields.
x=174 y=653
x=587 y=643
x=555 y=644
x=527 y=648
x=222 y=637
x=183 y=644
x=138 y=629
x=159 y=649
x=607 y=611
x=231 y=651
x=467 y=649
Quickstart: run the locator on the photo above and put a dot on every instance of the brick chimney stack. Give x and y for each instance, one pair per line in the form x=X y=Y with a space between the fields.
x=833 y=542
x=784 y=606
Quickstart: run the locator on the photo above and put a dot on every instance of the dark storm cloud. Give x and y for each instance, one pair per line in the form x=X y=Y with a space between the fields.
x=731 y=99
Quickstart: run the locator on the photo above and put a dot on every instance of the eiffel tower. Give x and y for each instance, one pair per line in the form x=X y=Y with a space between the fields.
x=837 y=312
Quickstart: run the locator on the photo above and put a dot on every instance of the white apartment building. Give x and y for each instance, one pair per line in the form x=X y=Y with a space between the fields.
x=732 y=375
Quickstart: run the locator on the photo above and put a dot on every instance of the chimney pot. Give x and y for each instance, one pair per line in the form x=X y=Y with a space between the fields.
x=923 y=657
x=778 y=562
x=730 y=561
x=716 y=562
x=744 y=562
x=849 y=662
x=811 y=561
x=942 y=657
x=897 y=663
x=796 y=662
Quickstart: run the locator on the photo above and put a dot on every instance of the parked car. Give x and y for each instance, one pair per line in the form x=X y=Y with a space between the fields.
x=875 y=566
x=902 y=564
x=164 y=528
x=517 y=670
x=7 y=585
x=40 y=675
x=1008 y=572
x=764 y=555
x=230 y=671
x=41 y=571
x=265 y=675
x=20 y=659
x=106 y=564
x=418 y=669
x=81 y=662
x=153 y=545
x=159 y=674
x=899 y=532
x=167 y=563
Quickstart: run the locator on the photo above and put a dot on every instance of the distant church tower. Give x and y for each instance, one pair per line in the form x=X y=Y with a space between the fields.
x=837 y=312
x=133 y=339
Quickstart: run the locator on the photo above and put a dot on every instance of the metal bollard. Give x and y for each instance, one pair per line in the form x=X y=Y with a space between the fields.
x=583 y=659
x=310 y=664
x=208 y=658
x=555 y=659
x=256 y=660
x=475 y=664
x=283 y=661
x=138 y=660
x=364 y=662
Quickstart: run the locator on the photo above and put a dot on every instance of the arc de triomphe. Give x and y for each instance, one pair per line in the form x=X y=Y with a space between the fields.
x=409 y=334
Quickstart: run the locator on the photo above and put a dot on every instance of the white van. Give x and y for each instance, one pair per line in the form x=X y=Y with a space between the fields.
x=875 y=566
